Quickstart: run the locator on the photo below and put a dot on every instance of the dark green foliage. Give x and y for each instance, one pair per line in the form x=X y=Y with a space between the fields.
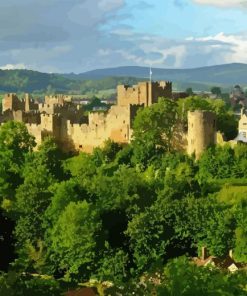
x=29 y=81
x=15 y=143
x=217 y=162
x=95 y=103
x=182 y=278
x=33 y=81
x=153 y=130
x=41 y=170
x=189 y=91
x=223 y=162
x=216 y=91
x=73 y=239
x=122 y=212
x=113 y=265
x=14 y=284
x=226 y=121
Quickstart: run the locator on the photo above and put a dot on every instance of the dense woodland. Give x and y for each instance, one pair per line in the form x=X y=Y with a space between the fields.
x=123 y=214
x=43 y=83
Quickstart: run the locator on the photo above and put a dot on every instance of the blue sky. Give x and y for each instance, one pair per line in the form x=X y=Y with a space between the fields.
x=182 y=18
x=81 y=35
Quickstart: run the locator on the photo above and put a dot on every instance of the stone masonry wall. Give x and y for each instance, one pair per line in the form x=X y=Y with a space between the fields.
x=144 y=93
x=114 y=125
x=11 y=102
x=201 y=131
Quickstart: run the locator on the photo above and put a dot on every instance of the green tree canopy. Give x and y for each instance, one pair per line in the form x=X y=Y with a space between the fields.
x=153 y=129
x=74 y=238
x=15 y=143
x=189 y=91
x=216 y=90
x=183 y=278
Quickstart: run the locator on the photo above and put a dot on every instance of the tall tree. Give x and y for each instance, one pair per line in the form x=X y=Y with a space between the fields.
x=216 y=90
x=153 y=129
x=15 y=143
x=74 y=239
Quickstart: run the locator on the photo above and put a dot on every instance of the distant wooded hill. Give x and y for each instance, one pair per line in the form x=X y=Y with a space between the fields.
x=33 y=81
x=91 y=82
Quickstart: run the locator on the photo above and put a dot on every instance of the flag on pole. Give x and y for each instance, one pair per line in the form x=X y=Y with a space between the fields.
x=150 y=74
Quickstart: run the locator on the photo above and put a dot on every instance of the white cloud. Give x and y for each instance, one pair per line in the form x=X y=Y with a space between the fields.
x=108 y=5
x=13 y=66
x=237 y=44
x=147 y=51
x=104 y=52
x=223 y=3
x=171 y=50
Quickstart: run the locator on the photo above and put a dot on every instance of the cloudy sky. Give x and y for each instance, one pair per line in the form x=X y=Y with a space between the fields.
x=81 y=35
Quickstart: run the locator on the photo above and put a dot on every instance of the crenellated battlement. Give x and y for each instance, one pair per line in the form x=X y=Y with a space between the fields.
x=146 y=93
x=60 y=118
x=58 y=99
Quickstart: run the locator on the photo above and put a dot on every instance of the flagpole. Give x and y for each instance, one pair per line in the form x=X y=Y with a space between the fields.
x=150 y=74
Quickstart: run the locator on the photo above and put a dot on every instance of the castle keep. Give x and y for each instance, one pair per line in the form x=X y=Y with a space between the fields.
x=145 y=93
x=64 y=120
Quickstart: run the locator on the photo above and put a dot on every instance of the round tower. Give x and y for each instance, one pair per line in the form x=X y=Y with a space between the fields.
x=201 y=131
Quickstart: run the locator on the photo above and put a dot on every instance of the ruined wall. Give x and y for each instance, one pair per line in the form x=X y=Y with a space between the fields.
x=6 y=116
x=57 y=99
x=60 y=118
x=30 y=105
x=143 y=93
x=128 y=95
x=114 y=125
x=160 y=89
x=11 y=102
x=47 y=108
x=201 y=131
x=133 y=111
x=68 y=110
x=26 y=117
x=118 y=124
x=49 y=126
x=36 y=131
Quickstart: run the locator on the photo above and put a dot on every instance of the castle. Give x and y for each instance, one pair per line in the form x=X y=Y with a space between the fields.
x=64 y=120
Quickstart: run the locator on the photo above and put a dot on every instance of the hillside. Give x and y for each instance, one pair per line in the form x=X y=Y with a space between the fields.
x=227 y=74
x=33 y=81
x=90 y=83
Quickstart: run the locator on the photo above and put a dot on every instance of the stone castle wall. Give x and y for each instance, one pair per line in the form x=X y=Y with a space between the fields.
x=60 y=118
x=30 y=105
x=27 y=117
x=11 y=102
x=143 y=93
x=57 y=99
x=114 y=125
x=35 y=130
x=201 y=131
